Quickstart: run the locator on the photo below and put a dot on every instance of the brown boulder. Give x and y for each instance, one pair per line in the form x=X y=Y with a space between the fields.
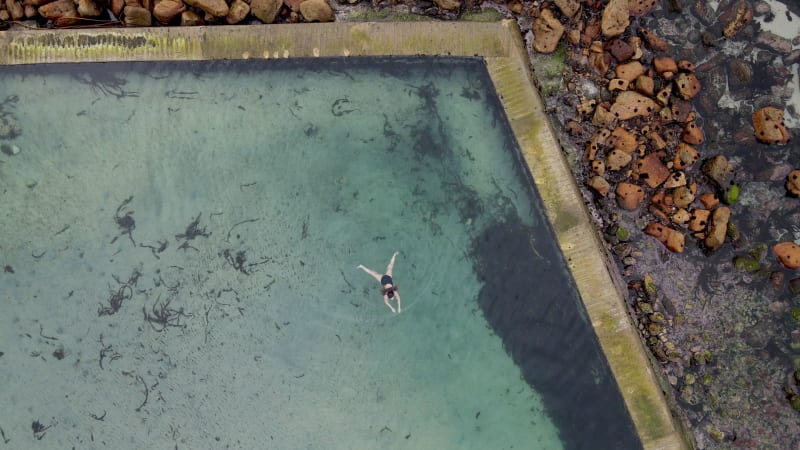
x=265 y=10
x=662 y=204
x=317 y=11
x=586 y=106
x=15 y=9
x=675 y=179
x=590 y=31
x=237 y=12
x=682 y=196
x=692 y=134
x=630 y=104
x=602 y=116
x=629 y=196
x=568 y=7
x=788 y=254
x=598 y=167
x=600 y=185
x=599 y=61
x=191 y=19
x=709 y=200
x=652 y=170
x=451 y=5
x=644 y=85
x=117 y=6
x=88 y=8
x=216 y=8
x=591 y=149
x=615 y=19
x=672 y=239
x=681 y=217
x=699 y=220
x=167 y=10
x=136 y=16
x=640 y=7
x=665 y=66
x=658 y=142
x=629 y=71
x=655 y=42
x=547 y=32
x=735 y=24
x=686 y=66
x=664 y=94
x=617 y=159
x=687 y=84
x=793 y=183
x=62 y=12
x=618 y=84
x=619 y=49
x=769 y=126
x=622 y=139
x=685 y=156
x=294 y=5
x=719 y=227
x=682 y=110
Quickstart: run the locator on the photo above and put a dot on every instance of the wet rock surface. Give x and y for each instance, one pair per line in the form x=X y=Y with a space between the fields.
x=703 y=201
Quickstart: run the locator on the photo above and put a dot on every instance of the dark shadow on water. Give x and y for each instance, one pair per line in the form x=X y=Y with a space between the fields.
x=533 y=305
x=531 y=302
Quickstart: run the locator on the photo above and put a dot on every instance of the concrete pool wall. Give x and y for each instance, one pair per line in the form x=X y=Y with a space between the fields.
x=501 y=47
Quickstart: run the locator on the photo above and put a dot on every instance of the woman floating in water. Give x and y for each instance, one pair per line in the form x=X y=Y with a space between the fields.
x=388 y=286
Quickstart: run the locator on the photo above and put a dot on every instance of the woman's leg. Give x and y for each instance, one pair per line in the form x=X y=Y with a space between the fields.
x=390 y=267
x=374 y=274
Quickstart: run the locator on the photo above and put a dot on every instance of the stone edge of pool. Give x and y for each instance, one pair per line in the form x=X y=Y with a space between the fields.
x=501 y=46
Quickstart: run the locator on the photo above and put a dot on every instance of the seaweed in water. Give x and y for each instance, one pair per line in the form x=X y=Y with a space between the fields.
x=341 y=107
x=9 y=128
x=125 y=221
x=163 y=316
x=39 y=430
x=124 y=292
x=107 y=351
x=107 y=84
x=239 y=262
x=193 y=230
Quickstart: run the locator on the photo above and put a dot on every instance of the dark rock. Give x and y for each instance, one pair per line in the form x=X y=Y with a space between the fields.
x=619 y=49
x=719 y=170
x=622 y=249
x=740 y=73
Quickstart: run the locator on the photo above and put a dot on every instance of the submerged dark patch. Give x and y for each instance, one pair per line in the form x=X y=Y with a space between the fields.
x=532 y=305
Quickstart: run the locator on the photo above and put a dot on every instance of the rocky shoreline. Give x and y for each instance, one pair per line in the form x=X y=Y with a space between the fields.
x=673 y=115
x=719 y=311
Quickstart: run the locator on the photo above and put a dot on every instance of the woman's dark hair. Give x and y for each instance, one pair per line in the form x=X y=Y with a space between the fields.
x=390 y=290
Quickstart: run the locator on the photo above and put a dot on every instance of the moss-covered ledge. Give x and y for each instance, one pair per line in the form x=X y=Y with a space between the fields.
x=501 y=46
x=257 y=41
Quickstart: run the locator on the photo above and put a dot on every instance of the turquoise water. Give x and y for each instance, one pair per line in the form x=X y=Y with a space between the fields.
x=180 y=244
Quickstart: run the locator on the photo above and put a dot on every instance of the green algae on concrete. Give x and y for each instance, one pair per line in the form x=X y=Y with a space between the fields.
x=501 y=46
x=484 y=15
x=384 y=15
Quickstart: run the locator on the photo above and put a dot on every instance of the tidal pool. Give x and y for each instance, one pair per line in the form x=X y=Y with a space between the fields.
x=180 y=243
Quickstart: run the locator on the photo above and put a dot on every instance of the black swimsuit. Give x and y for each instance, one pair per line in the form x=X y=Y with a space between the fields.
x=386 y=279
